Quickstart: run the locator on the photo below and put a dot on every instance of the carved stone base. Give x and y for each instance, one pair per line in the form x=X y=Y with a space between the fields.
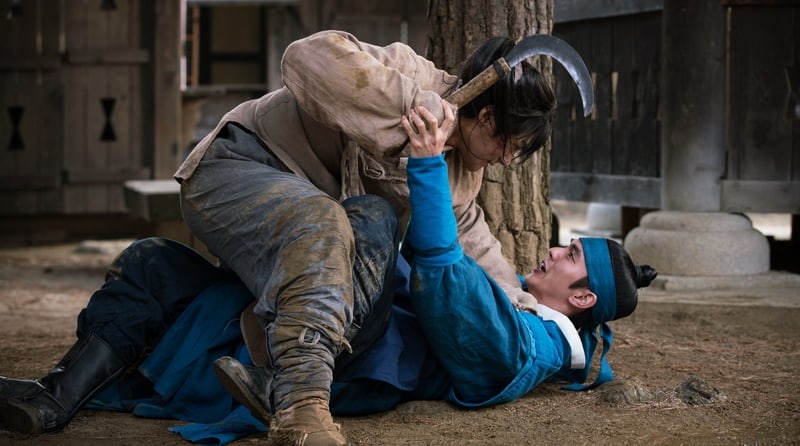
x=699 y=244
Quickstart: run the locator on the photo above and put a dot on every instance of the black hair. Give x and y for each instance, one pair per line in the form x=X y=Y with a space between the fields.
x=522 y=105
x=628 y=278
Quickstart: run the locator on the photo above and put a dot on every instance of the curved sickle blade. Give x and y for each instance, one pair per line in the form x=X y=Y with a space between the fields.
x=545 y=44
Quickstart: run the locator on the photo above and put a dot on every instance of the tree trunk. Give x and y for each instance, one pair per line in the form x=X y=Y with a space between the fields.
x=516 y=200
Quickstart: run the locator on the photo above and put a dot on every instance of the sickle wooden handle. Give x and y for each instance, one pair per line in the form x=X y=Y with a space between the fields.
x=479 y=83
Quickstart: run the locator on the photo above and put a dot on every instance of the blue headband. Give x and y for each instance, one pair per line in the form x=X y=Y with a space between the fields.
x=601 y=283
x=601 y=278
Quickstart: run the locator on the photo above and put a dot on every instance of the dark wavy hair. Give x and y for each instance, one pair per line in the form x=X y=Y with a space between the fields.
x=522 y=104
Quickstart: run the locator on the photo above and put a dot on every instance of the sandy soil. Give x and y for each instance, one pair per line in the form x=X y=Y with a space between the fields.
x=690 y=374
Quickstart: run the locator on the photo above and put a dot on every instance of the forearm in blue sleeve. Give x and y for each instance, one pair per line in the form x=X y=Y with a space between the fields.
x=432 y=232
x=474 y=331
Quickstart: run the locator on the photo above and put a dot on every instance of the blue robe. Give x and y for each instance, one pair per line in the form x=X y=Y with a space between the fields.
x=453 y=335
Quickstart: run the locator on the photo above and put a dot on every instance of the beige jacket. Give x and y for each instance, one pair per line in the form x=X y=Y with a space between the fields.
x=337 y=124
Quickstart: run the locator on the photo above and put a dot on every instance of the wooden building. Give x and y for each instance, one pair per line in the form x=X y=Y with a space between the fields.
x=90 y=95
x=615 y=156
x=731 y=123
x=94 y=93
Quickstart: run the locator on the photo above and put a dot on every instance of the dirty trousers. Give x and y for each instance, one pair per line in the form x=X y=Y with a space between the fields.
x=294 y=247
x=146 y=288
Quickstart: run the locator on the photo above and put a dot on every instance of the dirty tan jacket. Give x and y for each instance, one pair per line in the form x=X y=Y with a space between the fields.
x=337 y=123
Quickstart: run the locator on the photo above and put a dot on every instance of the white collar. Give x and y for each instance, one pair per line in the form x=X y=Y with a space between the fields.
x=570 y=333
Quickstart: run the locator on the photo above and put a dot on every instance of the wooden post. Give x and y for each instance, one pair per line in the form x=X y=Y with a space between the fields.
x=167 y=119
x=693 y=109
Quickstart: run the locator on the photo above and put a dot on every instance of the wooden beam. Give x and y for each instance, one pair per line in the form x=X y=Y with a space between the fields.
x=105 y=175
x=124 y=56
x=643 y=192
x=167 y=117
x=574 y=10
x=28 y=62
x=154 y=201
x=761 y=196
x=29 y=182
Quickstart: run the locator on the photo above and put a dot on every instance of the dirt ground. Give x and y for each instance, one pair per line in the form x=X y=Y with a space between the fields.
x=739 y=362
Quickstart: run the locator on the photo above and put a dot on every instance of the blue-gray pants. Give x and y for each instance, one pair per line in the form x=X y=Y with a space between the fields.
x=294 y=247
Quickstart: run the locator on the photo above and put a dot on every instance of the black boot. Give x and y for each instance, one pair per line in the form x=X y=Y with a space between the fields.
x=48 y=404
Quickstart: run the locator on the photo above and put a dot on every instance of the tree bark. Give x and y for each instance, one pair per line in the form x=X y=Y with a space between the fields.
x=516 y=200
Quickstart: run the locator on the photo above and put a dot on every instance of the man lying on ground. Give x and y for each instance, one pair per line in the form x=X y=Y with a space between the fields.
x=453 y=334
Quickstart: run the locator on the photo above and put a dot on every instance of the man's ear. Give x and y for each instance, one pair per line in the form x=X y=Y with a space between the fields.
x=583 y=299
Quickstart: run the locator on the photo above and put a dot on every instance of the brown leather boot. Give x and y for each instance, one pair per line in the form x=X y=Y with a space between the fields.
x=306 y=423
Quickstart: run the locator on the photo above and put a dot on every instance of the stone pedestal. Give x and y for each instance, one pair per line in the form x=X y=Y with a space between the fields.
x=699 y=244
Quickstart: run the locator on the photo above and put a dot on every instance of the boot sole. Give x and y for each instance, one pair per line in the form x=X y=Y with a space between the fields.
x=232 y=376
x=19 y=419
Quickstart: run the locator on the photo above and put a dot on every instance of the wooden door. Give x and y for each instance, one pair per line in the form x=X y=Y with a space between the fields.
x=31 y=109
x=103 y=101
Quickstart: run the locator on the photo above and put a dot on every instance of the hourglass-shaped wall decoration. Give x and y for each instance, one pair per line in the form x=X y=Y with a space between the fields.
x=15 y=114
x=108 y=129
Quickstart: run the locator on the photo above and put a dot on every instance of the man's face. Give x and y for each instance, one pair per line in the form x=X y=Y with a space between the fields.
x=550 y=282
